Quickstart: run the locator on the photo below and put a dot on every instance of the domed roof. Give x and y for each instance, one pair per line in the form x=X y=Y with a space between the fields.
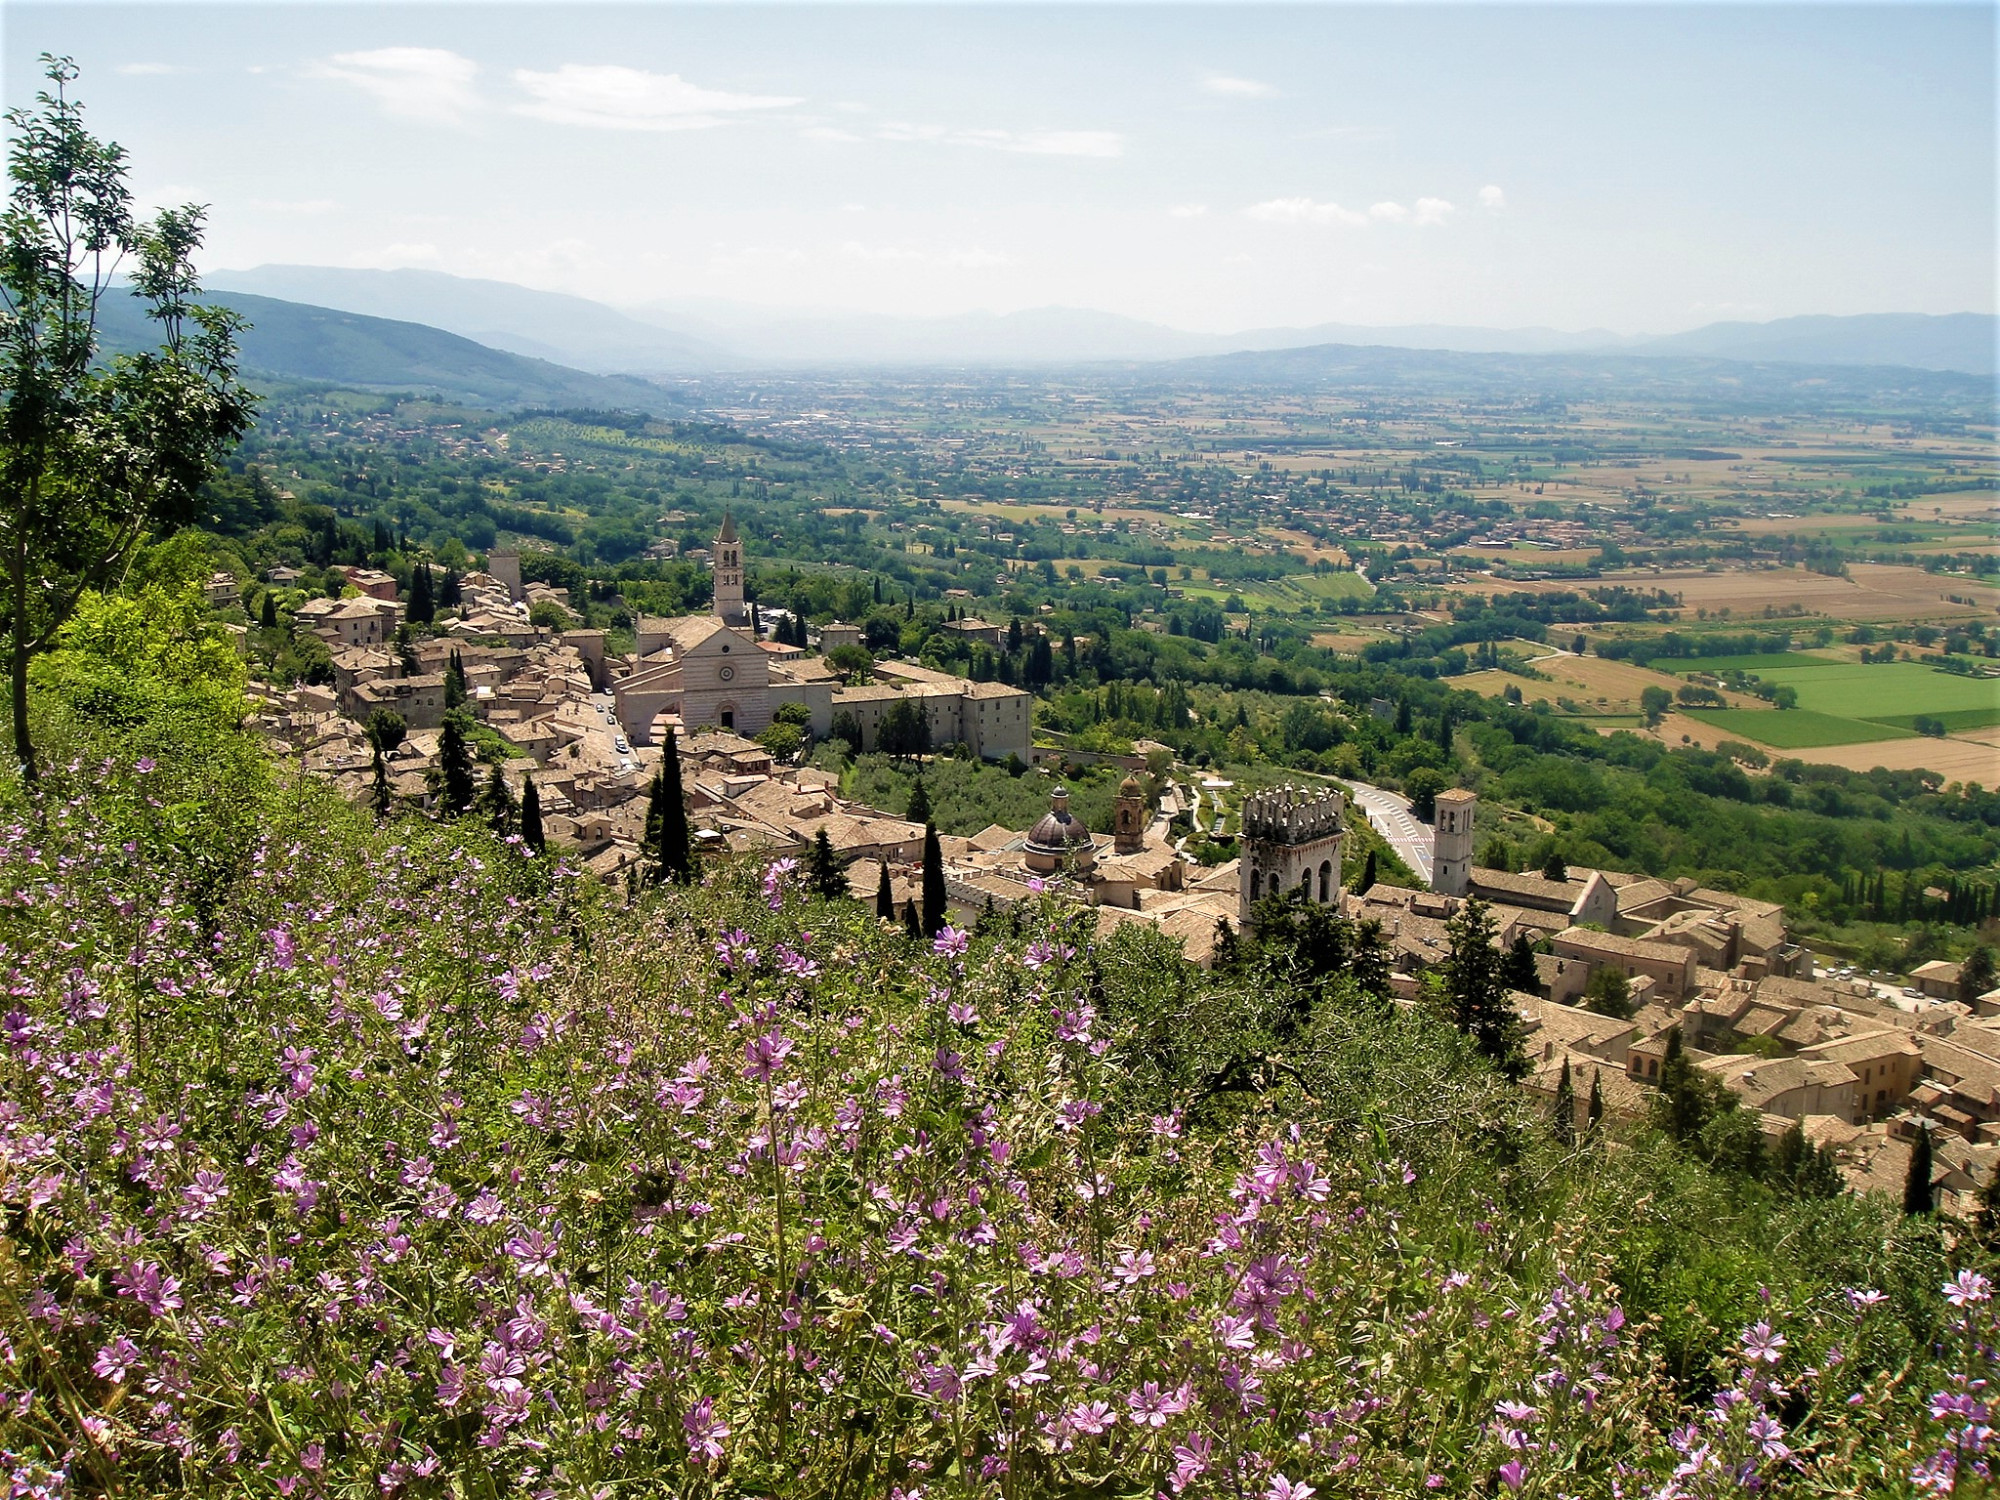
x=1058 y=830
x=1130 y=787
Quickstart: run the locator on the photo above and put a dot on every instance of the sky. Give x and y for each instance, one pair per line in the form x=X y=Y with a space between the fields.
x=1215 y=168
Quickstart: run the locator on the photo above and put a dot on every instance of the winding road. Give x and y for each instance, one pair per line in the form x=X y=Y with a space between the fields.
x=1389 y=815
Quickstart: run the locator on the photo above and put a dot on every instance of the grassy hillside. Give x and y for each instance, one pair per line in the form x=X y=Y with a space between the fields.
x=348 y=1159
x=294 y=341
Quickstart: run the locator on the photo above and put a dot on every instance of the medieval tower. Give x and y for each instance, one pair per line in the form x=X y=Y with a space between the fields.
x=1451 y=843
x=1291 y=842
x=728 y=567
x=1128 y=828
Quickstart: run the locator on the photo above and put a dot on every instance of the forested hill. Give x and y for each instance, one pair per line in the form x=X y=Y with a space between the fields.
x=296 y=341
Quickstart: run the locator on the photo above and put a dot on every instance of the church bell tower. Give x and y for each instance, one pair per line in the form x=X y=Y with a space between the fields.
x=729 y=574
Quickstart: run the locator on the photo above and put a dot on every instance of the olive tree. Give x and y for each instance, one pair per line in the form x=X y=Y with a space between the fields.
x=95 y=453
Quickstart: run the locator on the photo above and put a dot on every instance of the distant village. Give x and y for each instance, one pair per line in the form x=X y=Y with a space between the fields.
x=1859 y=1067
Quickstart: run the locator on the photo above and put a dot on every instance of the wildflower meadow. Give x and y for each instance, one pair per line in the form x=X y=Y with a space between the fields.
x=346 y=1158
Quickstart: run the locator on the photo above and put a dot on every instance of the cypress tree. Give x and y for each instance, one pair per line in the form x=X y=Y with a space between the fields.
x=422 y=608
x=1684 y=1104
x=454 y=681
x=885 y=894
x=934 y=897
x=919 y=810
x=1918 y=1195
x=449 y=596
x=1367 y=880
x=1479 y=1005
x=1228 y=952
x=267 y=618
x=456 y=785
x=382 y=795
x=911 y=925
x=666 y=821
x=1565 y=1108
x=531 y=818
x=496 y=803
x=1596 y=1111
x=824 y=869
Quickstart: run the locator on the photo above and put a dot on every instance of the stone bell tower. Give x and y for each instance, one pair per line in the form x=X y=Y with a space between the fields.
x=728 y=568
x=1451 y=842
x=1128 y=826
x=1291 y=842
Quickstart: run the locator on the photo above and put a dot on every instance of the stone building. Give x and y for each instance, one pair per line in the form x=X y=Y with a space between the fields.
x=1291 y=840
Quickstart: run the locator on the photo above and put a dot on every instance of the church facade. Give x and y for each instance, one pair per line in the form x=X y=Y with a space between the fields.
x=710 y=671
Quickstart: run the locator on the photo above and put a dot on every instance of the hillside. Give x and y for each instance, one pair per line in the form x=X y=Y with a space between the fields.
x=293 y=341
x=1967 y=342
x=732 y=1190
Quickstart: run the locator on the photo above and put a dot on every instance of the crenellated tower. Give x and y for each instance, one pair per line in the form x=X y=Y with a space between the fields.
x=1291 y=841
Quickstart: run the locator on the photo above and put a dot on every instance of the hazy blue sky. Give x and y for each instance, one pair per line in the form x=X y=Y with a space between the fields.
x=1628 y=167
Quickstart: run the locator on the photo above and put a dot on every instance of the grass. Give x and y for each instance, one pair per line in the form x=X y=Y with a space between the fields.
x=1955 y=720
x=1795 y=729
x=1885 y=690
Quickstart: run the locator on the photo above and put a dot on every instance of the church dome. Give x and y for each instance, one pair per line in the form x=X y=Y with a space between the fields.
x=1130 y=787
x=1059 y=831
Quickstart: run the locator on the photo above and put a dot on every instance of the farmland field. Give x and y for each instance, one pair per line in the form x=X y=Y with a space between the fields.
x=1885 y=691
x=1759 y=664
x=1877 y=591
x=1599 y=684
x=1794 y=729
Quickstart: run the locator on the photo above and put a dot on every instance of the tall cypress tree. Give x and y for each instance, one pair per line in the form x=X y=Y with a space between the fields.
x=531 y=818
x=885 y=895
x=1596 y=1110
x=1367 y=878
x=1918 y=1195
x=422 y=608
x=911 y=922
x=1565 y=1107
x=666 y=821
x=934 y=897
x=454 y=681
x=496 y=803
x=456 y=785
x=824 y=869
x=919 y=810
x=383 y=799
x=1479 y=1005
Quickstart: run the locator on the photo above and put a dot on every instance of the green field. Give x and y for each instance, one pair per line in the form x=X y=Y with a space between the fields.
x=1885 y=691
x=1296 y=594
x=1794 y=729
x=1955 y=721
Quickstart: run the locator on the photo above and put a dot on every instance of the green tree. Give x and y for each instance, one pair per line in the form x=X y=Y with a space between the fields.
x=1553 y=867
x=1919 y=1195
x=1366 y=881
x=1975 y=974
x=421 y=607
x=1517 y=969
x=386 y=729
x=667 y=838
x=885 y=893
x=1422 y=786
x=935 y=911
x=1688 y=1097
x=1565 y=1107
x=1609 y=993
x=825 y=872
x=919 y=809
x=267 y=615
x=1479 y=1005
x=454 y=681
x=912 y=923
x=1596 y=1110
x=94 y=454
x=1654 y=702
x=453 y=779
x=380 y=794
x=496 y=803
x=531 y=818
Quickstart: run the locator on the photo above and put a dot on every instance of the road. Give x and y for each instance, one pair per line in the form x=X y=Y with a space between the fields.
x=1390 y=816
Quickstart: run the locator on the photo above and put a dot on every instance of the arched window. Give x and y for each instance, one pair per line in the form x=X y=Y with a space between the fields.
x=1325 y=881
x=1274 y=882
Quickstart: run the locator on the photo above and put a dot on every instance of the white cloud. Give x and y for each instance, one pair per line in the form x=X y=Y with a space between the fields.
x=1490 y=197
x=1099 y=143
x=411 y=83
x=615 y=98
x=147 y=69
x=827 y=133
x=1311 y=211
x=1236 y=88
x=1187 y=210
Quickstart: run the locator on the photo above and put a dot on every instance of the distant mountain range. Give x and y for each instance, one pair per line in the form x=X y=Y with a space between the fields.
x=293 y=341
x=699 y=335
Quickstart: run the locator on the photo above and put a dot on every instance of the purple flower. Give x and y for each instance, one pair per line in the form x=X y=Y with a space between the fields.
x=949 y=943
x=534 y=1253
x=765 y=1055
x=116 y=1359
x=1966 y=1288
x=1284 y=1489
x=1760 y=1343
x=1512 y=1474
x=705 y=1431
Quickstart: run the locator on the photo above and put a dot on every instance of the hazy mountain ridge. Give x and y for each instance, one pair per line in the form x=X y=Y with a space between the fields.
x=694 y=335
x=296 y=341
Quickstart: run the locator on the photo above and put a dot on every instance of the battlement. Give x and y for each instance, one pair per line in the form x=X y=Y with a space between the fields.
x=1294 y=815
